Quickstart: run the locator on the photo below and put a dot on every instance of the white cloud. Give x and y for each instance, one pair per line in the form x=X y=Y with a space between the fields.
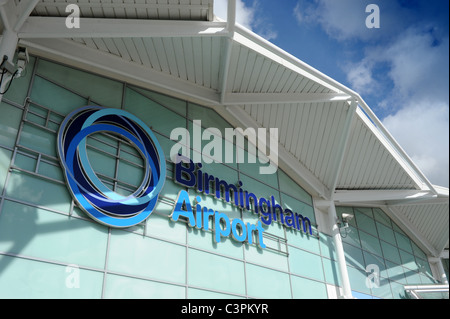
x=421 y=128
x=346 y=19
x=419 y=70
x=416 y=64
x=361 y=77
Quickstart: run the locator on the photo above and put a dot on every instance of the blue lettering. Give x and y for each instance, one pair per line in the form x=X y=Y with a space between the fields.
x=183 y=208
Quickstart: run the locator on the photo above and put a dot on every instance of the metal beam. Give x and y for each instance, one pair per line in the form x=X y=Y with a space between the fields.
x=24 y=9
x=78 y=55
x=274 y=98
x=55 y=27
x=355 y=196
x=342 y=147
x=231 y=23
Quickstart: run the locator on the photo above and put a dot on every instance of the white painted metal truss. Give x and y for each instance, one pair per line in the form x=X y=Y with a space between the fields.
x=330 y=141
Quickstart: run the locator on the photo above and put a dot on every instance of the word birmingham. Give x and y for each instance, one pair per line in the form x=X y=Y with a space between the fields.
x=198 y=215
x=213 y=152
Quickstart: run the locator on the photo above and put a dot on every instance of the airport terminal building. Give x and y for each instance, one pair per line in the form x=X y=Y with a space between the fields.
x=124 y=171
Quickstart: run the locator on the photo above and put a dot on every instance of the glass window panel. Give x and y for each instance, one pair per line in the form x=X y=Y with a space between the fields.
x=38 y=140
x=215 y=272
x=154 y=115
x=266 y=257
x=55 y=97
x=31 y=117
x=290 y=187
x=398 y=290
x=142 y=256
x=22 y=278
x=101 y=163
x=9 y=124
x=350 y=236
x=365 y=223
x=403 y=242
x=163 y=227
x=364 y=210
x=303 y=288
x=424 y=266
x=417 y=251
x=331 y=271
x=267 y=283
x=32 y=189
x=381 y=217
x=412 y=277
x=302 y=240
x=205 y=294
x=370 y=243
x=208 y=117
x=130 y=174
x=354 y=256
x=327 y=248
x=398 y=229
x=253 y=169
x=394 y=272
x=408 y=260
x=50 y=170
x=383 y=290
x=390 y=252
x=358 y=280
x=305 y=264
x=120 y=287
x=372 y=261
x=32 y=231
x=102 y=90
x=202 y=239
x=298 y=207
x=170 y=189
x=428 y=279
x=26 y=162
x=386 y=233
x=166 y=144
x=5 y=159
x=174 y=104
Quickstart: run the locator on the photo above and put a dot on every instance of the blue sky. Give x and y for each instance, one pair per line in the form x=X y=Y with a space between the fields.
x=400 y=69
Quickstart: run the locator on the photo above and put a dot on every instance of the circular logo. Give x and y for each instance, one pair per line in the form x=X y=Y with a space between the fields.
x=97 y=200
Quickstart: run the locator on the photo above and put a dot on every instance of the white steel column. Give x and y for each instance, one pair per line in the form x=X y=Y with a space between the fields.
x=231 y=24
x=442 y=277
x=343 y=273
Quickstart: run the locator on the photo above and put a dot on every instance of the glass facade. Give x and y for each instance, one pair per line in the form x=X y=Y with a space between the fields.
x=377 y=248
x=50 y=249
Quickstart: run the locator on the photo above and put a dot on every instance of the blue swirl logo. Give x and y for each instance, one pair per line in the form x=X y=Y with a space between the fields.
x=97 y=200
